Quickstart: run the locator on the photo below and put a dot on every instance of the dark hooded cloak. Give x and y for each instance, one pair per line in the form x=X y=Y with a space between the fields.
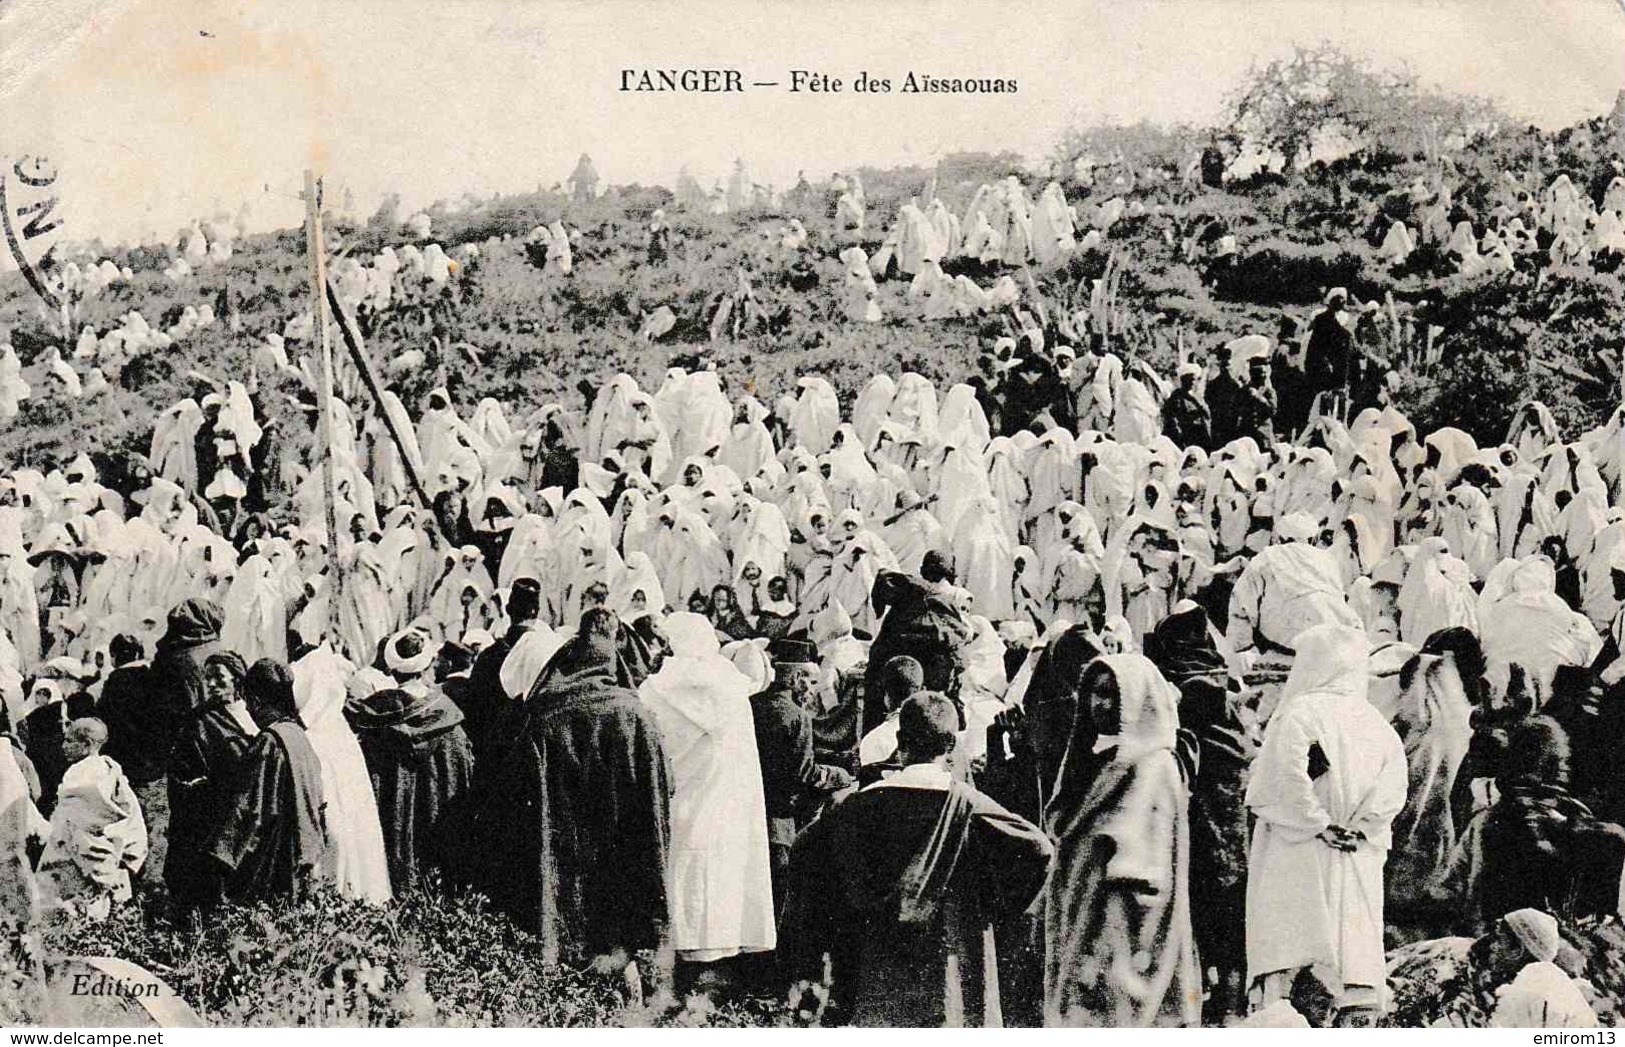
x=203 y=769
x=1217 y=750
x=571 y=830
x=272 y=839
x=898 y=885
x=193 y=634
x=919 y=622
x=421 y=765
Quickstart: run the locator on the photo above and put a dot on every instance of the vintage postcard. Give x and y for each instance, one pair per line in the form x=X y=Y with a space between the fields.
x=1048 y=513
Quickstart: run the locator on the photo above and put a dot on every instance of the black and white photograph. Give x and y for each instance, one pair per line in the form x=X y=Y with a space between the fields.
x=767 y=515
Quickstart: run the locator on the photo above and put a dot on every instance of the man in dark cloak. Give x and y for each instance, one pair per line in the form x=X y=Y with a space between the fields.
x=485 y=702
x=1212 y=165
x=899 y=882
x=1052 y=711
x=1185 y=418
x=1255 y=405
x=1538 y=845
x=418 y=757
x=1035 y=397
x=140 y=730
x=43 y=732
x=202 y=767
x=561 y=467
x=1031 y=741
x=271 y=840
x=1330 y=358
x=1293 y=395
x=794 y=784
x=204 y=448
x=1215 y=741
x=922 y=621
x=192 y=635
x=1222 y=394
x=571 y=831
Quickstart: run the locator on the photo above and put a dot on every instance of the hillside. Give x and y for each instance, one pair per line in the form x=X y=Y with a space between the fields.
x=1546 y=330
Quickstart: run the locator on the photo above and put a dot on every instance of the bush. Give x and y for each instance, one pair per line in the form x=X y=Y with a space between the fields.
x=1423 y=998
x=1280 y=272
x=323 y=960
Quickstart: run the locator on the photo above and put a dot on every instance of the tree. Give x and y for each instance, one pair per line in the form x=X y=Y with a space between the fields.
x=1143 y=144
x=1290 y=103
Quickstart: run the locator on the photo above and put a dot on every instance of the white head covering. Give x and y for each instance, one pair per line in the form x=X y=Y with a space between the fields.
x=750 y=658
x=1296 y=527
x=1331 y=659
x=352 y=808
x=398 y=662
x=1147 y=719
x=691 y=636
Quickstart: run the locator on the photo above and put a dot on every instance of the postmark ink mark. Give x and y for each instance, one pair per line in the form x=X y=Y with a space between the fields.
x=33 y=203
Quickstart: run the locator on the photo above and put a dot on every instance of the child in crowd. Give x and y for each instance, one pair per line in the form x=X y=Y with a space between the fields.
x=97 y=836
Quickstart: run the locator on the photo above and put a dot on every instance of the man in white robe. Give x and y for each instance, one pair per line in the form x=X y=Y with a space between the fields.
x=1437 y=594
x=700 y=416
x=1325 y=788
x=722 y=892
x=688 y=556
x=351 y=809
x=816 y=414
x=748 y=445
x=1528 y=624
x=985 y=557
x=256 y=613
x=1287 y=588
x=98 y=836
x=913 y=532
x=1541 y=995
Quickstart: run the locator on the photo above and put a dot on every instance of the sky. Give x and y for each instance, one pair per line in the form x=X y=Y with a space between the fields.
x=157 y=112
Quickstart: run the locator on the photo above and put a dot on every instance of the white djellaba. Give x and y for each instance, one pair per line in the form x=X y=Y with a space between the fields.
x=352 y=807
x=722 y=891
x=1310 y=903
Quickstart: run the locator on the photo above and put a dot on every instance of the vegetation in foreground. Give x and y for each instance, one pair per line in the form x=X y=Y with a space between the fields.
x=323 y=960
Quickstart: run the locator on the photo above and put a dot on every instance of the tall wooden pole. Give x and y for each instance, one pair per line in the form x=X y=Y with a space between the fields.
x=316 y=248
x=363 y=364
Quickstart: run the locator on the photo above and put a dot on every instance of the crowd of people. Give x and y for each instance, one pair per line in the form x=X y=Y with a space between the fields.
x=1077 y=696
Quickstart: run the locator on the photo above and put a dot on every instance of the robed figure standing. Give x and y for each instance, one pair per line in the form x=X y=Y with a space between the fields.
x=272 y=838
x=900 y=883
x=420 y=761
x=1120 y=951
x=1327 y=784
x=209 y=744
x=572 y=830
x=722 y=889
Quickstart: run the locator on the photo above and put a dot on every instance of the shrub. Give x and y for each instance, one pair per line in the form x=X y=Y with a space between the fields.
x=1281 y=272
x=1423 y=999
x=323 y=960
